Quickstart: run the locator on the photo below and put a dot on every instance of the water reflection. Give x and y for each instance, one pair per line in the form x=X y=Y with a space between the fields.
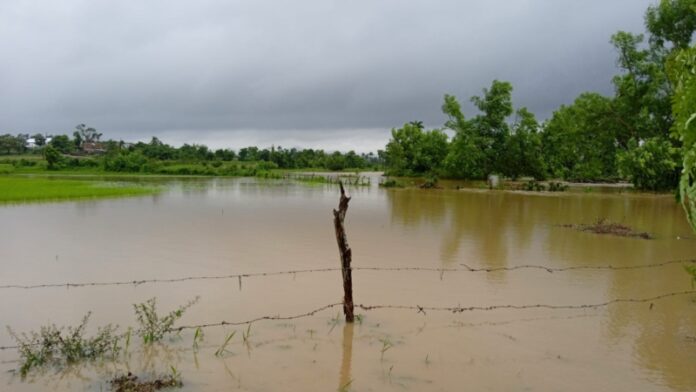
x=345 y=378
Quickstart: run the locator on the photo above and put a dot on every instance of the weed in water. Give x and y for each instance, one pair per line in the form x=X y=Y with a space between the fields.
x=153 y=327
x=223 y=348
x=691 y=270
x=197 y=337
x=245 y=335
x=386 y=345
x=128 y=338
x=61 y=346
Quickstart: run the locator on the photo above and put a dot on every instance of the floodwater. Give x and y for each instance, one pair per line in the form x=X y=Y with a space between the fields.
x=217 y=227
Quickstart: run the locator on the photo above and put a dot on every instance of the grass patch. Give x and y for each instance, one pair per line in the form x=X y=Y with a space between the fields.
x=22 y=189
x=604 y=226
x=346 y=179
x=392 y=183
x=6 y=168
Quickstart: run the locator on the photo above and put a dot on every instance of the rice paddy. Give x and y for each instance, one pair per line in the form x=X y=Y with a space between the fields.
x=24 y=189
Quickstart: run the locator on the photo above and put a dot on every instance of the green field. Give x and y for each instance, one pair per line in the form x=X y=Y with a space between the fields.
x=24 y=189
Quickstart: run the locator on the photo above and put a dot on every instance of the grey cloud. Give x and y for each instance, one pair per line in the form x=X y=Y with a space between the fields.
x=292 y=69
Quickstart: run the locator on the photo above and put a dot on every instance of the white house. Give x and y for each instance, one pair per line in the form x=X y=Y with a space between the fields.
x=31 y=142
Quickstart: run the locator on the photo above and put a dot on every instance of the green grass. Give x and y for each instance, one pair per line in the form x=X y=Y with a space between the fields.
x=23 y=189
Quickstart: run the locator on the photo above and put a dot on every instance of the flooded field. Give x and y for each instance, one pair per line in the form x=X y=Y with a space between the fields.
x=218 y=227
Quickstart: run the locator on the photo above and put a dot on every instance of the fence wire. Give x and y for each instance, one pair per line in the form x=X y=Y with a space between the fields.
x=451 y=309
x=424 y=309
x=239 y=277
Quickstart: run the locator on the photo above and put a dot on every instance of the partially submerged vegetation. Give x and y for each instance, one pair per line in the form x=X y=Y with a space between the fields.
x=604 y=226
x=131 y=383
x=347 y=179
x=60 y=346
x=536 y=186
x=19 y=189
x=153 y=327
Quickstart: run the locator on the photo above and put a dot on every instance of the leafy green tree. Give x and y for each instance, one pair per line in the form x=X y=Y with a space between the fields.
x=62 y=143
x=335 y=161
x=682 y=70
x=641 y=104
x=77 y=140
x=673 y=22
x=8 y=144
x=465 y=158
x=53 y=157
x=413 y=151
x=652 y=166
x=522 y=154
x=491 y=126
x=579 y=140
x=39 y=139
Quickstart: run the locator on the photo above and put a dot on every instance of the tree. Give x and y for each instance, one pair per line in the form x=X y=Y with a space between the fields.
x=579 y=141
x=465 y=158
x=642 y=92
x=682 y=71
x=522 y=155
x=39 y=139
x=8 y=144
x=53 y=157
x=78 y=140
x=672 y=21
x=62 y=143
x=88 y=134
x=652 y=166
x=413 y=151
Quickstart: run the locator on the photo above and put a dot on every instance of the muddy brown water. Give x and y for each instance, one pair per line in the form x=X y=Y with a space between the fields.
x=228 y=226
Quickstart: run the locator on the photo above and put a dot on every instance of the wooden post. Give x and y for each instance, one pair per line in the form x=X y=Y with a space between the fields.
x=344 y=250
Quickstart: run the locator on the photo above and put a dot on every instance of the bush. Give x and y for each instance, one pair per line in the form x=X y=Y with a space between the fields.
x=391 y=183
x=652 y=166
x=6 y=169
x=153 y=327
x=59 y=346
x=265 y=165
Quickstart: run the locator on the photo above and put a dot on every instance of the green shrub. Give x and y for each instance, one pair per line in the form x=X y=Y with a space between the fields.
x=153 y=327
x=653 y=166
x=391 y=183
x=61 y=346
x=6 y=168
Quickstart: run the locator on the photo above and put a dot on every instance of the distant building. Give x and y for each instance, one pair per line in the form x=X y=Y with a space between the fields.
x=93 y=147
x=31 y=142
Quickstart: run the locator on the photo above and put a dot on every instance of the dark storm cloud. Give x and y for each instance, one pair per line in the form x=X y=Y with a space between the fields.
x=292 y=72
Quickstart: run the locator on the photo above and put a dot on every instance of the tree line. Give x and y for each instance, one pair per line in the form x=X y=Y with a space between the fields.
x=85 y=148
x=630 y=135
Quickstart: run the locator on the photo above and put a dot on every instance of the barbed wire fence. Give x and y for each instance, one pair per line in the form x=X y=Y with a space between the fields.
x=240 y=276
x=421 y=309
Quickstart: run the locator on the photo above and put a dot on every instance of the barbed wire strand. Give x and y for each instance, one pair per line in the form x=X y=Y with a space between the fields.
x=466 y=268
x=423 y=309
x=451 y=309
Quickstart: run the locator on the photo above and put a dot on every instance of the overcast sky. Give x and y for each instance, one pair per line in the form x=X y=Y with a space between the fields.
x=319 y=73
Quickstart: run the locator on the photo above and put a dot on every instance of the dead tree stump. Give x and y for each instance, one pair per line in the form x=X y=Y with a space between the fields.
x=346 y=254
